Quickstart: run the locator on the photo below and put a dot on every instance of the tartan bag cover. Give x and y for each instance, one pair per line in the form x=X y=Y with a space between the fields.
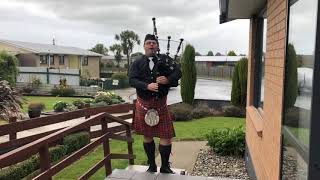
x=164 y=129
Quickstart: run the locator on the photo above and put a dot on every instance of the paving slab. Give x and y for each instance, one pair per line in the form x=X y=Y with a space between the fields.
x=184 y=154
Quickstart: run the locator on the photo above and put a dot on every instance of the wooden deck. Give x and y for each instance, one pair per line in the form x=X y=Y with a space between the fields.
x=138 y=173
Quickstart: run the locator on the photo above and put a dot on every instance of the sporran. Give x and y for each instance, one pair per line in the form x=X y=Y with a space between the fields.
x=152 y=117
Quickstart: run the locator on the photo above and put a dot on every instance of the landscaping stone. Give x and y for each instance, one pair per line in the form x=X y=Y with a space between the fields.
x=210 y=164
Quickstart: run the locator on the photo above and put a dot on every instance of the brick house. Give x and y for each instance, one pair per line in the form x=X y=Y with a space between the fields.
x=283 y=95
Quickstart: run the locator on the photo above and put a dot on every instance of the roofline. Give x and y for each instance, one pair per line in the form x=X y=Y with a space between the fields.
x=12 y=44
x=39 y=52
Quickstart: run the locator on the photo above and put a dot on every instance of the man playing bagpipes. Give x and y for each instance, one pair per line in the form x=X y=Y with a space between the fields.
x=152 y=75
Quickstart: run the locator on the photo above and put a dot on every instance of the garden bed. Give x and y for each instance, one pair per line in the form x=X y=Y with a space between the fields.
x=210 y=164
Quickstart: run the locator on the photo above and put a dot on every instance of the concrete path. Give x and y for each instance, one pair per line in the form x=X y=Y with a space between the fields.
x=184 y=154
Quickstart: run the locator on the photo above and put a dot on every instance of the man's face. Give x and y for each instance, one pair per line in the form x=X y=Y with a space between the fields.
x=150 y=47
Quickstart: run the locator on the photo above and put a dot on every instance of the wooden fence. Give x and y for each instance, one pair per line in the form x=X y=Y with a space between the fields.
x=40 y=143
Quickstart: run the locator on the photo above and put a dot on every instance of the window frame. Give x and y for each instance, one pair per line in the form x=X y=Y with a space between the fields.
x=61 y=60
x=258 y=60
x=85 y=61
x=313 y=158
x=43 y=59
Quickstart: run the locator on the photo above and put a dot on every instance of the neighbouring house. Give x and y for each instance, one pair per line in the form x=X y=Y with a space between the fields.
x=111 y=59
x=283 y=95
x=216 y=66
x=54 y=59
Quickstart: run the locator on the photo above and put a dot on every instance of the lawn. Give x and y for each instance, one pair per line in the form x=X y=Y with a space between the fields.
x=47 y=100
x=192 y=130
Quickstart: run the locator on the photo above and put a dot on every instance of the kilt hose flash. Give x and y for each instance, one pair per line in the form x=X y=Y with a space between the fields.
x=164 y=129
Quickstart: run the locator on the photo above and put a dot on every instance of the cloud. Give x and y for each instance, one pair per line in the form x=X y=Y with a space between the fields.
x=85 y=22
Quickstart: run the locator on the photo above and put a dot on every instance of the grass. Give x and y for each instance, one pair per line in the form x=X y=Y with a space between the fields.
x=2 y=122
x=47 y=100
x=191 y=130
x=302 y=134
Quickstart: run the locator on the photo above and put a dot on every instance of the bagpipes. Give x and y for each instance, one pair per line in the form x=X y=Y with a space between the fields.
x=165 y=64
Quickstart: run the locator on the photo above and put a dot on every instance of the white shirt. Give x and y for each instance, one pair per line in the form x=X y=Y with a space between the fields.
x=151 y=63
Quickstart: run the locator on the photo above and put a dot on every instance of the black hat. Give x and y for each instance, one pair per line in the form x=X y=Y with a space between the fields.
x=151 y=37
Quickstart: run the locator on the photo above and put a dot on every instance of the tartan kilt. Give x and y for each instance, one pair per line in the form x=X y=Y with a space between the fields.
x=164 y=129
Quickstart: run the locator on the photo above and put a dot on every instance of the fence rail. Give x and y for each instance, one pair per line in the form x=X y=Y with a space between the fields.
x=99 y=116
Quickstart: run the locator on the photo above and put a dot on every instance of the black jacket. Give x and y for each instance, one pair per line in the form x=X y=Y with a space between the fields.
x=140 y=76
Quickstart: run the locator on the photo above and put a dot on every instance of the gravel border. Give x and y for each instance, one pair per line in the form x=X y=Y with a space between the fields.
x=210 y=164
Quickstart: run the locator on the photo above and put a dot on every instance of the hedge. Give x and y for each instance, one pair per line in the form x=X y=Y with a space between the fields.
x=70 y=144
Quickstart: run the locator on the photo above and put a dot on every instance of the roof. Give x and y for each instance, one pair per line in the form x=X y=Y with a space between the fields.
x=240 y=9
x=49 y=48
x=218 y=58
x=108 y=57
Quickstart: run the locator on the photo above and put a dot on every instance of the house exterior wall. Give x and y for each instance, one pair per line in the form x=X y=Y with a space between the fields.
x=263 y=126
x=28 y=60
x=92 y=70
x=73 y=61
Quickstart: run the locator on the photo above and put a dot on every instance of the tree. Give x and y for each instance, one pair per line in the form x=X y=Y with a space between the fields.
x=99 y=48
x=291 y=85
x=8 y=67
x=128 y=40
x=210 y=53
x=198 y=54
x=231 y=53
x=189 y=75
x=239 y=83
x=116 y=49
x=218 y=54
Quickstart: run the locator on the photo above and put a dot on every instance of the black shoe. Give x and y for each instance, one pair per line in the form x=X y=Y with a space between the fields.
x=166 y=170
x=152 y=168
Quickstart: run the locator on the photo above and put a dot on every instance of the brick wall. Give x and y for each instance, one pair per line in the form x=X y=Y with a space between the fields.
x=263 y=128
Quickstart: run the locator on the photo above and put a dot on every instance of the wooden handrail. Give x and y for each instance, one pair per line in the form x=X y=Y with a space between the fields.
x=43 y=121
x=41 y=146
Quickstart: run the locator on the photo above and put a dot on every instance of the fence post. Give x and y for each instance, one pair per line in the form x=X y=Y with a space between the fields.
x=106 y=146
x=13 y=136
x=130 y=149
x=44 y=159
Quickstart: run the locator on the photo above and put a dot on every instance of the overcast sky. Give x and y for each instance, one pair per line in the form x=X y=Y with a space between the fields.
x=83 y=23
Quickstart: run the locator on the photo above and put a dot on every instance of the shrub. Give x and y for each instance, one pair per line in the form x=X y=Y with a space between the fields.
x=60 y=106
x=88 y=100
x=107 y=97
x=189 y=75
x=202 y=110
x=8 y=67
x=227 y=141
x=27 y=89
x=63 y=91
x=233 y=111
x=123 y=79
x=239 y=83
x=74 y=142
x=36 y=82
x=181 y=112
x=78 y=103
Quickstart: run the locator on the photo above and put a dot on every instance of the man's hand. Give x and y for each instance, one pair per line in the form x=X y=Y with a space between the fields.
x=153 y=87
x=162 y=80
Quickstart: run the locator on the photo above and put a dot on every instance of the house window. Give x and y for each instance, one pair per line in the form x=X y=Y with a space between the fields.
x=43 y=59
x=51 y=59
x=61 y=60
x=300 y=110
x=85 y=61
x=260 y=61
